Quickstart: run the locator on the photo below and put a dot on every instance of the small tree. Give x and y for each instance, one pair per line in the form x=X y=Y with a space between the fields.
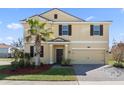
x=18 y=43
x=17 y=49
x=118 y=52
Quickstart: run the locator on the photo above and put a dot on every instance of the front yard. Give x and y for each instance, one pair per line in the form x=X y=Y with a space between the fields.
x=52 y=74
x=6 y=59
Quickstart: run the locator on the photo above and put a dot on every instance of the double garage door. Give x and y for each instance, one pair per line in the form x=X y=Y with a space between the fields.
x=88 y=56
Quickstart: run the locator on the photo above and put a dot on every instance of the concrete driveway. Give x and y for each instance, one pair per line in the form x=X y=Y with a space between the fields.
x=98 y=72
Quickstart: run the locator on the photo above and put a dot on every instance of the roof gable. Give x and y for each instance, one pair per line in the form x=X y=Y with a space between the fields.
x=59 y=39
x=62 y=16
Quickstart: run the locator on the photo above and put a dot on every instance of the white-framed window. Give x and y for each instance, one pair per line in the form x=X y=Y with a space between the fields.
x=96 y=29
x=65 y=30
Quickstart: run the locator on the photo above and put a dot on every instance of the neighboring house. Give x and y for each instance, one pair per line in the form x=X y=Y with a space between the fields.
x=5 y=51
x=81 y=41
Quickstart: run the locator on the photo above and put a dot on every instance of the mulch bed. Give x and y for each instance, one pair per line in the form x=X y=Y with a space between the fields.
x=27 y=70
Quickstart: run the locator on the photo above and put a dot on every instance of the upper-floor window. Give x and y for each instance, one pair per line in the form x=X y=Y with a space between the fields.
x=55 y=16
x=96 y=30
x=65 y=29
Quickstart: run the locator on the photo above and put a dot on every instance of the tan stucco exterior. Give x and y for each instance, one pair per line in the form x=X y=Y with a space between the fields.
x=82 y=48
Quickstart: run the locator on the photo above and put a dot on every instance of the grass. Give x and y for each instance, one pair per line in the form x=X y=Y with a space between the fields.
x=116 y=64
x=53 y=74
x=111 y=62
x=5 y=67
x=6 y=59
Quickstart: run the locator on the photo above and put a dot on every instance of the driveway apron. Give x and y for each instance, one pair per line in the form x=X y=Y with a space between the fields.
x=88 y=72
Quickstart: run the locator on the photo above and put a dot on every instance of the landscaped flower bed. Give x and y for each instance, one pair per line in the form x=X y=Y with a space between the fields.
x=46 y=72
x=26 y=70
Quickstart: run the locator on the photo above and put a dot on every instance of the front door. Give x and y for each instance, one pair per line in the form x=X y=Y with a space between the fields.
x=59 y=56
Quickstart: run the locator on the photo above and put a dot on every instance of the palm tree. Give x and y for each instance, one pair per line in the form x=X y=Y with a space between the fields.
x=37 y=29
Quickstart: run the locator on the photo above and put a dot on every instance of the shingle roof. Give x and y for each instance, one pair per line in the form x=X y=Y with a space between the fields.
x=34 y=16
x=63 y=12
x=40 y=15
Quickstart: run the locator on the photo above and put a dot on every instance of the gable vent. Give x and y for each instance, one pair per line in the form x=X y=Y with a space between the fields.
x=55 y=16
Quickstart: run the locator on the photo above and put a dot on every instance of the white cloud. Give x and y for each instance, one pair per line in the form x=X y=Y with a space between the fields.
x=14 y=26
x=89 y=18
x=122 y=10
x=10 y=38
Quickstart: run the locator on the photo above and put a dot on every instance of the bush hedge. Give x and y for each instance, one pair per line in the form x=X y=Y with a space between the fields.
x=118 y=65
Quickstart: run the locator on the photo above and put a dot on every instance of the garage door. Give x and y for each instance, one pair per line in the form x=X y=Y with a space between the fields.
x=88 y=56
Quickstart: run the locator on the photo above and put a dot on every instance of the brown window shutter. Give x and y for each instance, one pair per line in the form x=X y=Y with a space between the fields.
x=60 y=30
x=31 y=51
x=70 y=30
x=101 y=30
x=42 y=51
x=91 y=30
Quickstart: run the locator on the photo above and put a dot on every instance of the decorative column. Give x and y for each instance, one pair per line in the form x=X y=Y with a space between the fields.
x=51 y=53
x=66 y=51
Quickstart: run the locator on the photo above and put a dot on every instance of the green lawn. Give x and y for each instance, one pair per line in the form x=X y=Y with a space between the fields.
x=6 y=59
x=53 y=74
x=111 y=62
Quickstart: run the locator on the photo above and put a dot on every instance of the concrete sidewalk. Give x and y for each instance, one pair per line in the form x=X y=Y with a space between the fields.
x=10 y=82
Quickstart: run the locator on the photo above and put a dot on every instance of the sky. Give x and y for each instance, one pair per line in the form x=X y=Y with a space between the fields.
x=11 y=28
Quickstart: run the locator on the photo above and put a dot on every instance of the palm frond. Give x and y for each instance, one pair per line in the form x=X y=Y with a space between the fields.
x=32 y=31
x=37 y=28
x=44 y=39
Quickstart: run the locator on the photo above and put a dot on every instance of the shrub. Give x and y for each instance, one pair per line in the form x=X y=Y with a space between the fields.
x=14 y=65
x=119 y=65
x=21 y=63
x=27 y=56
x=118 y=52
x=66 y=61
x=33 y=64
x=41 y=64
x=27 y=64
x=27 y=60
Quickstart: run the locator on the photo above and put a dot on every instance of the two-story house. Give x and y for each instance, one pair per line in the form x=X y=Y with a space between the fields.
x=81 y=41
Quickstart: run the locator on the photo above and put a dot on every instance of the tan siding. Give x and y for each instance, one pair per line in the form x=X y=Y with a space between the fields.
x=61 y=16
x=80 y=32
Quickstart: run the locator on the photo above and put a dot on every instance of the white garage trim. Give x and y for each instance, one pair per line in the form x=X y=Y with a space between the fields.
x=88 y=48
